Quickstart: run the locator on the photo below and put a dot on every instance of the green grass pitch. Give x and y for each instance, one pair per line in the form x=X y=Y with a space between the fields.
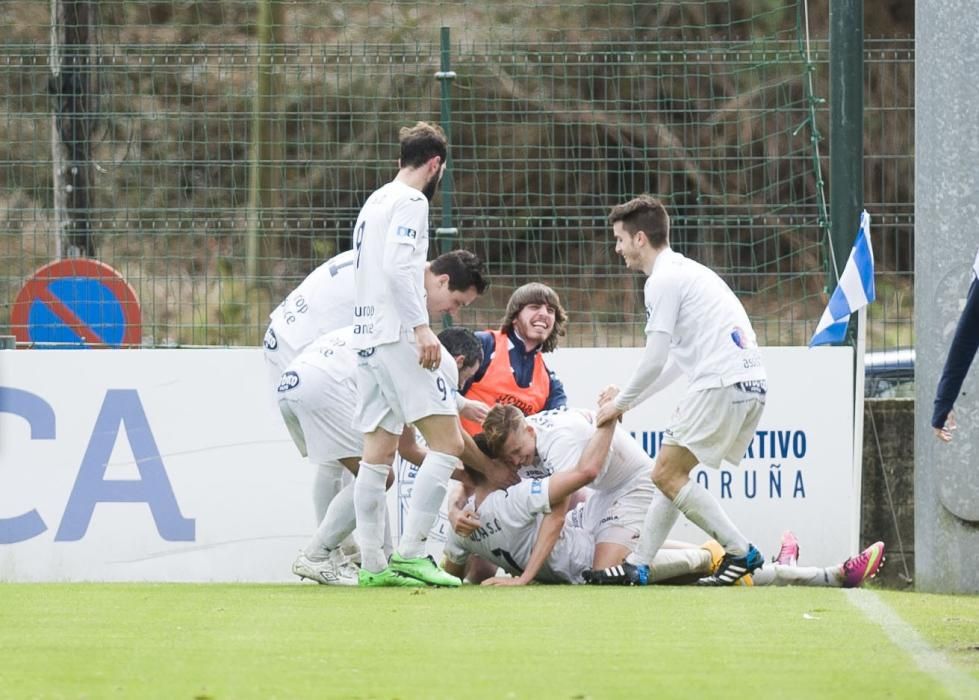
x=288 y=641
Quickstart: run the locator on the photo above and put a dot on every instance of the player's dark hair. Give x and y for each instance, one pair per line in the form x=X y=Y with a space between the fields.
x=464 y=269
x=646 y=214
x=502 y=421
x=537 y=293
x=421 y=142
x=462 y=341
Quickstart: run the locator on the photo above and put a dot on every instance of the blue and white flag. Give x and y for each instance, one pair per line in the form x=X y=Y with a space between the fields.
x=855 y=290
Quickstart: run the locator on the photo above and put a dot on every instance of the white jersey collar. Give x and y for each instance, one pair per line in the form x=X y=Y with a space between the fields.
x=663 y=258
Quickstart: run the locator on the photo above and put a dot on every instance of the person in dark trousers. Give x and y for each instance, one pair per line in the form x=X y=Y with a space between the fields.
x=960 y=355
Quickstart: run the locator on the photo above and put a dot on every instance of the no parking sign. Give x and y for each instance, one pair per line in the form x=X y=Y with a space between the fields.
x=77 y=302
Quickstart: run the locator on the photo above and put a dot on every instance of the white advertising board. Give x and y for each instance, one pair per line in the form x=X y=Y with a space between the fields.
x=174 y=465
x=167 y=465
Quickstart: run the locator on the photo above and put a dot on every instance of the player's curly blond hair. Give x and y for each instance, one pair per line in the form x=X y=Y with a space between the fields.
x=500 y=423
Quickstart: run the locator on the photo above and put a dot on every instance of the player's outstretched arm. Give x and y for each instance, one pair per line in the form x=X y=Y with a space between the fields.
x=547 y=536
x=589 y=466
x=645 y=380
x=473 y=410
x=559 y=486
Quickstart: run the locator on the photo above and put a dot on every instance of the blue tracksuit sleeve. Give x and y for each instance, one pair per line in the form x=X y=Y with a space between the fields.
x=556 y=398
x=960 y=355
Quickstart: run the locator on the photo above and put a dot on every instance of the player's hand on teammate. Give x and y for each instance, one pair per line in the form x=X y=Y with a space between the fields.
x=474 y=410
x=464 y=522
x=945 y=433
x=608 y=394
x=429 y=347
x=607 y=413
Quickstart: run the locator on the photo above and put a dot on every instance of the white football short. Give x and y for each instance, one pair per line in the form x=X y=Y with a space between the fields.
x=394 y=390
x=278 y=354
x=718 y=424
x=618 y=517
x=318 y=410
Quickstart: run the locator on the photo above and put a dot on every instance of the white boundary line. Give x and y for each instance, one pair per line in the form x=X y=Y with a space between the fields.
x=956 y=682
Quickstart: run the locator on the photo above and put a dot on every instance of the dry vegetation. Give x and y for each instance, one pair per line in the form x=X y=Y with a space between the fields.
x=559 y=110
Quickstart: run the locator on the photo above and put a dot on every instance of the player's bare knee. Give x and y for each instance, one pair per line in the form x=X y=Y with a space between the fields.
x=668 y=478
x=379 y=450
x=442 y=433
x=452 y=446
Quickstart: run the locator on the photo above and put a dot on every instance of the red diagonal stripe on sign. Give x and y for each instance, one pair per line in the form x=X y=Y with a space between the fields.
x=43 y=293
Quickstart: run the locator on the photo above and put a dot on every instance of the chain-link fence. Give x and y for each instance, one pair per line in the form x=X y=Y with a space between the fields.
x=215 y=152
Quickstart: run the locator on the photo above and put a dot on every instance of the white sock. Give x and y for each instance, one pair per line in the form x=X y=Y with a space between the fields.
x=703 y=510
x=426 y=499
x=370 y=507
x=326 y=485
x=660 y=518
x=388 y=542
x=670 y=563
x=771 y=574
x=339 y=522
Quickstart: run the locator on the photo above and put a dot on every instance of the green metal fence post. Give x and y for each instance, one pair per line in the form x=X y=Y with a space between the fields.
x=846 y=128
x=446 y=233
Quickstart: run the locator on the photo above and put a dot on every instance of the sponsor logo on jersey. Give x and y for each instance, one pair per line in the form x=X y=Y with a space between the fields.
x=536 y=487
x=289 y=380
x=270 y=342
x=405 y=232
x=742 y=339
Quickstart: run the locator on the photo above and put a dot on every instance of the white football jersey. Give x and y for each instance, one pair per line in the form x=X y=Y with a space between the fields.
x=391 y=246
x=562 y=436
x=712 y=340
x=322 y=302
x=509 y=523
x=332 y=353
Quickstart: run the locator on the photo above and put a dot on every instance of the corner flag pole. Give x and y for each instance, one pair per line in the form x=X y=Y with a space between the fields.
x=858 y=404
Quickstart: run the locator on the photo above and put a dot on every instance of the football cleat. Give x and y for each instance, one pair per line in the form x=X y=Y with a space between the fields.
x=716 y=552
x=387 y=578
x=733 y=569
x=423 y=569
x=856 y=570
x=624 y=574
x=788 y=553
x=333 y=571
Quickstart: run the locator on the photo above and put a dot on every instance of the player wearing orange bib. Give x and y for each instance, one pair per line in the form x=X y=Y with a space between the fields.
x=513 y=370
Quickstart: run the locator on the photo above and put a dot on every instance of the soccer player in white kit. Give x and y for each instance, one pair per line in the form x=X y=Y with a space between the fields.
x=559 y=441
x=509 y=522
x=317 y=397
x=323 y=302
x=396 y=384
x=695 y=320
